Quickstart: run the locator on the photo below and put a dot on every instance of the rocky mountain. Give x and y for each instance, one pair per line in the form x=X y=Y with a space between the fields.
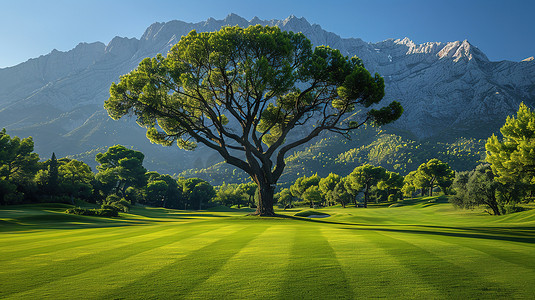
x=448 y=90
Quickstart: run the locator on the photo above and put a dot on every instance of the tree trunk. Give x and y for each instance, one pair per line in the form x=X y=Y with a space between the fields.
x=494 y=206
x=265 y=200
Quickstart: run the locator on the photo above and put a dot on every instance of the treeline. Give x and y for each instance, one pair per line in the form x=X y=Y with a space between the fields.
x=121 y=180
x=504 y=181
x=367 y=183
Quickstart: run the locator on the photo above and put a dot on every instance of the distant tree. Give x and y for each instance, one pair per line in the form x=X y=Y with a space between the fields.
x=187 y=188
x=312 y=195
x=249 y=189
x=241 y=92
x=155 y=193
x=436 y=173
x=363 y=178
x=303 y=183
x=327 y=186
x=476 y=188
x=392 y=184
x=513 y=158
x=53 y=175
x=341 y=194
x=409 y=184
x=349 y=188
x=163 y=191
x=285 y=198
x=16 y=156
x=120 y=168
x=76 y=171
x=76 y=179
x=230 y=194
x=18 y=166
x=203 y=192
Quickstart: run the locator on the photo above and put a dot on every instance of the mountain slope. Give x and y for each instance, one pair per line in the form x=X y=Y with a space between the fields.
x=448 y=90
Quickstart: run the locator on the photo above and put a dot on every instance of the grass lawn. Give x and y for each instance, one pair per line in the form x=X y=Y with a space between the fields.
x=416 y=250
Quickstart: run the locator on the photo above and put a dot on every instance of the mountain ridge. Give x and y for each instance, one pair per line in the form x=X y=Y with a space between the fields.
x=447 y=89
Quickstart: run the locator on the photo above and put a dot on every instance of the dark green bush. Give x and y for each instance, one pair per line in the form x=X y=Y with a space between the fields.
x=106 y=213
x=100 y=212
x=116 y=203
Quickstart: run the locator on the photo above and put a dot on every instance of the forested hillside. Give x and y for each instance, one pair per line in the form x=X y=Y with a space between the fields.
x=368 y=145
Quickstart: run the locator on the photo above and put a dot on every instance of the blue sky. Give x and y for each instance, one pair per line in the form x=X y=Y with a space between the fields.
x=501 y=29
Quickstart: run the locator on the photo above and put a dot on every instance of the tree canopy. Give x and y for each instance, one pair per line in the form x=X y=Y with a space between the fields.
x=434 y=173
x=120 y=168
x=18 y=164
x=364 y=177
x=242 y=91
x=513 y=158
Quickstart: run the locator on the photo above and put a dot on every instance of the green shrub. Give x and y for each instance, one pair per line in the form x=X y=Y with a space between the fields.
x=93 y=212
x=113 y=202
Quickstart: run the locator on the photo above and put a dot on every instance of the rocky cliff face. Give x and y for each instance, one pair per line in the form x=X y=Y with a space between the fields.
x=447 y=89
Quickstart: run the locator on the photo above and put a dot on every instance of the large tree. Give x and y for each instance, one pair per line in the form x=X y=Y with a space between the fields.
x=242 y=91
x=513 y=158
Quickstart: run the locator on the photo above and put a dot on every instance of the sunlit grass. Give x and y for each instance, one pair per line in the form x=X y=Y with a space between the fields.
x=422 y=249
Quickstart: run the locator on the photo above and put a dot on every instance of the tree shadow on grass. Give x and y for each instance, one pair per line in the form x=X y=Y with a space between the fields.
x=522 y=234
x=501 y=234
x=38 y=219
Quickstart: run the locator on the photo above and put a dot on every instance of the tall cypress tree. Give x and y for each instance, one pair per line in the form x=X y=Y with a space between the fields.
x=53 y=184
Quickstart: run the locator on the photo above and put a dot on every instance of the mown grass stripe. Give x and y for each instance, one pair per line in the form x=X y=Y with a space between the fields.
x=371 y=272
x=254 y=272
x=96 y=282
x=25 y=279
x=77 y=236
x=76 y=241
x=437 y=271
x=177 y=279
x=490 y=259
x=313 y=268
x=27 y=238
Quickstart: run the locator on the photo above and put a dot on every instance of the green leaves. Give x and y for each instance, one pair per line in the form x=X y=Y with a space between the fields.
x=513 y=158
x=247 y=88
x=120 y=168
x=386 y=114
